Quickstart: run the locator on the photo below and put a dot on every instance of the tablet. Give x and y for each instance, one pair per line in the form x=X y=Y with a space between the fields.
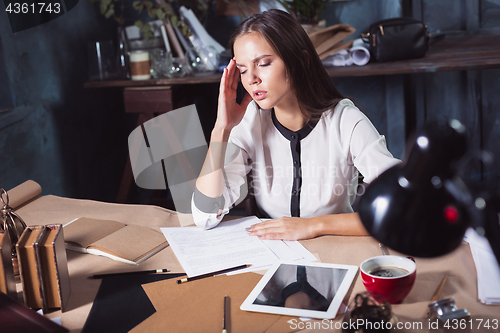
x=313 y=290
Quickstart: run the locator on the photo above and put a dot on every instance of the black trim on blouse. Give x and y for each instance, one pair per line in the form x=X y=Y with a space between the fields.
x=294 y=138
x=208 y=204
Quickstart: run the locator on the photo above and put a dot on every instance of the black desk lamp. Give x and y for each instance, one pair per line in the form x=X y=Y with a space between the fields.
x=422 y=207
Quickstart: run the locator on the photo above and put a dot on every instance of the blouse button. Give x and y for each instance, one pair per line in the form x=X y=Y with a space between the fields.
x=293 y=137
x=294 y=191
x=295 y=162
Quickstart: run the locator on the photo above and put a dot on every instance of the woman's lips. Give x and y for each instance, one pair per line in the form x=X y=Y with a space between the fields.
x=259 y=94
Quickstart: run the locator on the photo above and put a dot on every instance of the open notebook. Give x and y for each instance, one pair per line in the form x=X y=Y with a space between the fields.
x=127 y=243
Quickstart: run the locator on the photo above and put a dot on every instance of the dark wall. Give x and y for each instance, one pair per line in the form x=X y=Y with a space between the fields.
x=73 y=141
x=67 y=138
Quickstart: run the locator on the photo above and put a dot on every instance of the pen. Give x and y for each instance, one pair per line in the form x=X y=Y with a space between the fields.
x=224 y=319
x=227 y=270
x=153 y=271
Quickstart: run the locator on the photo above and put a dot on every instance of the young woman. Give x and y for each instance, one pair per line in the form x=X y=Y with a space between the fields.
x=304 y=142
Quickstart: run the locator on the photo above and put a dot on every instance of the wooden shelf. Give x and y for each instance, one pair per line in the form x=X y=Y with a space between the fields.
x=450 y=54
x=155 y=82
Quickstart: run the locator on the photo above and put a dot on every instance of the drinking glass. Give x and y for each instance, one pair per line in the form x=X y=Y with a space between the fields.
x=177 y=67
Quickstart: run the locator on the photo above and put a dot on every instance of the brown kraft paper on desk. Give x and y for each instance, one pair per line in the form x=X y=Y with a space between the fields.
x=197 y=306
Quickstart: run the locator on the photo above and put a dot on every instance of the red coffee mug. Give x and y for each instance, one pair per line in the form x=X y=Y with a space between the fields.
x=393 y=289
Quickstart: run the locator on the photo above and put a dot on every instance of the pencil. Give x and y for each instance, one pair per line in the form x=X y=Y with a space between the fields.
x=153 y=271
x=227 y=270
x=224 y=319
x=437 y=293
x=439 y=289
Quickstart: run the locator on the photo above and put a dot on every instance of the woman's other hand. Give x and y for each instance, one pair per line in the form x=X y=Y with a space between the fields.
x=230 y=113
x=298 y=228
x=285 y=228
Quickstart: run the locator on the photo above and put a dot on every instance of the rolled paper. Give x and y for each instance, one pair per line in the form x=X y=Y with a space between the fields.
x=23 y=193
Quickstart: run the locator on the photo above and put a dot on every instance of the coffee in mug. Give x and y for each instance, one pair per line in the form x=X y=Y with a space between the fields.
x=389 y=271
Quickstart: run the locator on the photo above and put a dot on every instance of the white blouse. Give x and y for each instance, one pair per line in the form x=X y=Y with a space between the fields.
x=307 y=173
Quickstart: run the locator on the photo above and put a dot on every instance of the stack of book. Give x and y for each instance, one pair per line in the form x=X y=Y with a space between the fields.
x=43 y=267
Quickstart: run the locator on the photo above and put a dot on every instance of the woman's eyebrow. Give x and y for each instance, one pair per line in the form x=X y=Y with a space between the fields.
x=255 y=60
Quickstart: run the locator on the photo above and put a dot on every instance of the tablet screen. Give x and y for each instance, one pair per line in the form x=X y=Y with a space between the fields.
x=313 y=290
x=302 y=287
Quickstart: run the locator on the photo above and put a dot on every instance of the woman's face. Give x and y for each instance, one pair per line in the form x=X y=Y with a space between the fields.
x=263 y=72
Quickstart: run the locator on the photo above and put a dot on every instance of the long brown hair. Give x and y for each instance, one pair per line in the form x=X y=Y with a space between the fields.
x=313 y=86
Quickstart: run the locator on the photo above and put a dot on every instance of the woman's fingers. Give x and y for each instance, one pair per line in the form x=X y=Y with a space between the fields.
x=223 y=83
x=286 y=228
x=235 y=76
x=231 y=71
x=267 y=230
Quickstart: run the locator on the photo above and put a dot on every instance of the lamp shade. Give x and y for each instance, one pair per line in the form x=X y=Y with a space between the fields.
x=420 y=207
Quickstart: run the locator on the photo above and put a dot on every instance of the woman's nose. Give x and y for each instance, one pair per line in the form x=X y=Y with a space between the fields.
x=253 y=78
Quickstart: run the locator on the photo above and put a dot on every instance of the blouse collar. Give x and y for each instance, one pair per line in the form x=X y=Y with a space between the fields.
x=291 y=135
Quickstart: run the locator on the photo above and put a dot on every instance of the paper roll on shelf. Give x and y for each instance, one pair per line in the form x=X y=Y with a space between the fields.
x=358 y=54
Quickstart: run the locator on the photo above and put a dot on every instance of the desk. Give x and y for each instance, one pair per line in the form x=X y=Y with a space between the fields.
x=458 y=265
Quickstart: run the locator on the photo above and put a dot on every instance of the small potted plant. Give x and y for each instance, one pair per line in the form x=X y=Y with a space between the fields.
x=307 y=12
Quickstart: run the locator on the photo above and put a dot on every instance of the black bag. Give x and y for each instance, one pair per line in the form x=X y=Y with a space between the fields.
x=397 y=39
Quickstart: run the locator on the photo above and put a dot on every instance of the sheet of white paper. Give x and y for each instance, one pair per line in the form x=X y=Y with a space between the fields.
x=488 y=275
x=487 y=268
x=203 y=251
x=473 y=238
x=298 y=248
x=282 y=250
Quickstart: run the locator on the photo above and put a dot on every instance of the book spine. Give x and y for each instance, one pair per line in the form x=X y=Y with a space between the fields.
x=27 y=268
x=39 y=268
x=172 y=38
x=57 y=253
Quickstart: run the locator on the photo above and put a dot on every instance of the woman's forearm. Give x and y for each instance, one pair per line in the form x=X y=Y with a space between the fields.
x=211 y=179
x=297 y=228
x=348 y=224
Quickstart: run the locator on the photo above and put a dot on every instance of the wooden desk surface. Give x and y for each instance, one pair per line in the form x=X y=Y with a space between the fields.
x=450 y=54
x=458 y=265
